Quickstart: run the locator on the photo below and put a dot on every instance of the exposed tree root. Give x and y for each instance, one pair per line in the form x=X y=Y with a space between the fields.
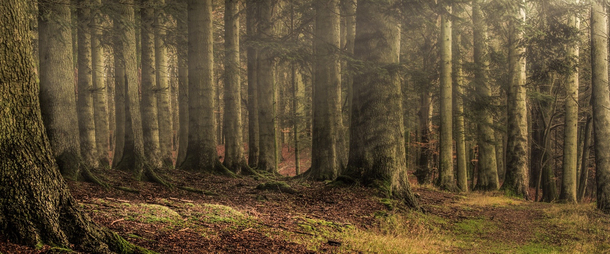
x=191 y=189
x=89 y=177
x=126 y=189
x=153 y=177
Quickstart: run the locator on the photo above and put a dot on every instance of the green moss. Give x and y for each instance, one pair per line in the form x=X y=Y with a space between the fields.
x=276 y=186
x=388 y=203
x=475 y=227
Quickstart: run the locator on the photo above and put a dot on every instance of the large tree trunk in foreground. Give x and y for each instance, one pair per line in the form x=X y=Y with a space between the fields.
x=148 y=103
x=516 y=179
x=201 y=153
x=267 y=160
x=326 y=92
x=36 y=205
x=163 y=91
x=99 y=86
x=488 y=170
x=377 y=151
x=126 y=77
x=601 y=101
x=84 y=106
x=57 y=84
x=234 y=146
x=445 y=174
x=570 y=143
x=253 y=134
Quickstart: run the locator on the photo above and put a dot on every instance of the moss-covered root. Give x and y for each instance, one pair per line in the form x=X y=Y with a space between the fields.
x=152 y=176
x=191 y=189
x=88 y=176
x=118 y=244
x=219 y=169
x=126 y=189
x=277 y=186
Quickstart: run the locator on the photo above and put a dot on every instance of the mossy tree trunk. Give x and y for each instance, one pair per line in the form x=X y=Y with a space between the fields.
x=183 y=102
x=377 y=152
x=326 y=92
x=253 y=130
x=601 y=101
x=84 y=106
x=163 y=91
x=234 y=146
x=126 y=76
x=487 y=166
x=36 y=205
x=446 y=179
x=57 y=84
x=458 y=105
x=517 y=173
x=148 y=103
x=102 y=131
x=267 y=160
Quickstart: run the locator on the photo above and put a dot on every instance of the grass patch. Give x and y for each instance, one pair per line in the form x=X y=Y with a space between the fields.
x=479 y=199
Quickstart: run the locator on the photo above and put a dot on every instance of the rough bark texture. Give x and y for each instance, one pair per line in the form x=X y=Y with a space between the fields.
x=36 y=205
x=57 y=84
x=458 y=108
x=267 y=160
x=234 y=145
x=102 y=131
x=570 y=141
x=148 y=103
x=183 y=89
x=516 y=180
x=84 y=106
x=201 y=153
x=253 y=134
x=348 y=12
x=601 y=101
x=377 y=152
x=446 y=180
x=584 y=165
x=163 y=91
x=326 y=92
x=488 y=171
x=126 y=77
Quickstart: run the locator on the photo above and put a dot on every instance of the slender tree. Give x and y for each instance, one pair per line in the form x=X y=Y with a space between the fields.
x=601 y=101
x=162 y=89
x=84 y=108
x=100 y=92
x=516 y=179
x=57 y=84
x=458 y=105
x=37 y=207
x=183 y=102
x=377 y=152
x=252 y=55
x=488 y=170
x=446 y=180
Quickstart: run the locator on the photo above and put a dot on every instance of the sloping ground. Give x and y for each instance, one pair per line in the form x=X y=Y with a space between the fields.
x=237 y=217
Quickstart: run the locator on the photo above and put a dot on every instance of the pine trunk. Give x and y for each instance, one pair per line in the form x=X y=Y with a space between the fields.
x=183 y=89
x=446 y=179
x=163 y=91
x=253 y=131
x=458 y=108
x=100 y=92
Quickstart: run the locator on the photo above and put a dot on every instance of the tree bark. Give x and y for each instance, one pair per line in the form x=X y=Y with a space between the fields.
x=584 y=165
x=377 y=152
x=36 y=205
x=253 y=128
x=57 y=84
x=163 y=90
x=99 y=86
x=601 y=101
x=458 y=107
x=84 y=106
x=517 y=174
x=446 y=180
x=183 y=88
x=487 y=169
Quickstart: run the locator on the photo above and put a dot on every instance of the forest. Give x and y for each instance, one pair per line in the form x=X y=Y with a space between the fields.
x=304 y=126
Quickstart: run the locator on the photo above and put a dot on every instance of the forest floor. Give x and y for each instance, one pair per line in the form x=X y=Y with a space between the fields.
x=237 y=217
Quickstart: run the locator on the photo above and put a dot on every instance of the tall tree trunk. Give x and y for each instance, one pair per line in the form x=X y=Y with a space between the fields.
x=601 y=101
x=163 y=90
x=148 y=103
x=516 y=179
x=377 y=152
x=424 y=172
x=458 y=106
x=201 y=153
x=234 y=146
x=126 y=76
x=253 y=130
x=349 y=13
x=100 y=106
x=57 y=83
x=84 y=106
x=570 y=144
x=487 y=169
x=326 y=93
x=37 y=207
x=183 y=83
x=584 y=165
x=446 y=180
x=267 y=160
